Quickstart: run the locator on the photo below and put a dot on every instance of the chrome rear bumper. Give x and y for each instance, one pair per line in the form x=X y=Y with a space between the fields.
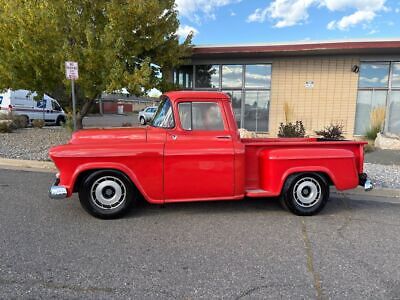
x=365 y=182
x=57 y=191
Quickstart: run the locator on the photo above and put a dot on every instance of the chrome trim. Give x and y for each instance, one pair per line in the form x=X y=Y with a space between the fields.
x=368 y=185
x=57 y=192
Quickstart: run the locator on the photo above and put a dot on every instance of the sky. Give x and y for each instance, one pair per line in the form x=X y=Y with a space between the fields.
x=262 y=21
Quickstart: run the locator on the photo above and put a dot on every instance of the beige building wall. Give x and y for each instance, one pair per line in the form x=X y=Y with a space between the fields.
x=332 y=99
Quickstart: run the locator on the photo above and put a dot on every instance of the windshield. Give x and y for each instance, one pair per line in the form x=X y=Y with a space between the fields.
x=164 y=117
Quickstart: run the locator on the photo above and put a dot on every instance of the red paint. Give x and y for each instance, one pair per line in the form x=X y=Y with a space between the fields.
x=174 y=165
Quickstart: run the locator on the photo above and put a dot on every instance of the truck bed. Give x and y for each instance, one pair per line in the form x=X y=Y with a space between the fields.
x=282 y=154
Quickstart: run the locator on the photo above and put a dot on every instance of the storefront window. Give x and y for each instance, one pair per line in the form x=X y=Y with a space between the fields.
x=207 y=76
x=367 y=102
x=232 y=76
x=184 y=77
x=256 y=110
x=396 y=75
x=374 y=75
x=258 y=76
x=394 y=112
x=236 y=98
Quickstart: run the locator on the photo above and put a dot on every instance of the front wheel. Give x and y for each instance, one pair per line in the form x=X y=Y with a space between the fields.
x=305 y=194
x=142 y=121
x=106 y=194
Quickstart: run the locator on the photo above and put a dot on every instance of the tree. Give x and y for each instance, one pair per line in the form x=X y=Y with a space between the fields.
x=117 y=43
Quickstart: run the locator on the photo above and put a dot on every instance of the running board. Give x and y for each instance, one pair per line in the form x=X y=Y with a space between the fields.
x=260 y=193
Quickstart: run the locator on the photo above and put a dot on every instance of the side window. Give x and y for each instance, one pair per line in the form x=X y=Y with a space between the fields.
x=200 y=116
x=41 y=104
x=55 y=106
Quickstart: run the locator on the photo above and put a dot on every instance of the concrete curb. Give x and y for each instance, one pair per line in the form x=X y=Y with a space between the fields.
x=376 y=192
x=27 y=165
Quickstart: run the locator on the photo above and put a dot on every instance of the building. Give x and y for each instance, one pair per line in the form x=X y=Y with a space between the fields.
x=319 y=83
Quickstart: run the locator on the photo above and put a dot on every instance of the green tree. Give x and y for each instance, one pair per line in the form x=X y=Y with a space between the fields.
x=117 y=43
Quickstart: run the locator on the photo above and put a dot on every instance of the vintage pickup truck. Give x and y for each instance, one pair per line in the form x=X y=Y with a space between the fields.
x=192 y=151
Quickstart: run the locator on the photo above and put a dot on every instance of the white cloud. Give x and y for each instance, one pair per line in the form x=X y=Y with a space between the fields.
x=184 y=30
x=286 y=13
x=194 y=10
x=351 y=20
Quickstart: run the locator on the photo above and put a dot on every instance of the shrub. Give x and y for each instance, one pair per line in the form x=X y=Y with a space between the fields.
x=292 y=130
x=20 y=122
x=332 y=132
x=38 y=123
x=127 y=124
x=69 y=123
x=5 y=127
x=372 y=132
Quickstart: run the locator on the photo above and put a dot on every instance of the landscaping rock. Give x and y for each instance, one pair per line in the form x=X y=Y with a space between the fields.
x=387 y=141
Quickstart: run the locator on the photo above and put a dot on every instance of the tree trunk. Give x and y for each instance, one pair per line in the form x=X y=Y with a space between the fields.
x=83 y=112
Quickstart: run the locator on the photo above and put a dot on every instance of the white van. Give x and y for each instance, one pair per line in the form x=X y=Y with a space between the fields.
x=22 y=103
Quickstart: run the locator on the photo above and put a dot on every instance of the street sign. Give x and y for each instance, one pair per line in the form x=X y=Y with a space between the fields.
x=71 y=70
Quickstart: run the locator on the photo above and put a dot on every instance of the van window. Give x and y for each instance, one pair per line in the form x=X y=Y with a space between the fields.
x=41 y=104
x=55 y=106
x=1 y=99
x=200 y=116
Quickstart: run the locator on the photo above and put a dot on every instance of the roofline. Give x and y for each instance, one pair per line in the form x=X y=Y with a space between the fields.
x=301 y=47
x=301 y=42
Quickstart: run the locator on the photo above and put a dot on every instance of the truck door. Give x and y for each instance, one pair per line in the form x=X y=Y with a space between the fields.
x=199 y=155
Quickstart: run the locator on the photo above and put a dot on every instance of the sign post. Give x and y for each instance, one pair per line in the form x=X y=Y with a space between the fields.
x=71 y=72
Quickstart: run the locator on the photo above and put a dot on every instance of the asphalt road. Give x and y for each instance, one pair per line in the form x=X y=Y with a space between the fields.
x=234 y=250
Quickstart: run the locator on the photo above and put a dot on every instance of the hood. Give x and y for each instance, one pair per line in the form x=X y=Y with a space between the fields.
x=112 y=135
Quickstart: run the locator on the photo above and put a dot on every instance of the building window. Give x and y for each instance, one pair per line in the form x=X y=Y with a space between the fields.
x=378 y=89
x=256 y=111
x=207 y=76
x=184 y=77
x=374 y=75
x=258 y=76
x=232 y=76
x=236 y=99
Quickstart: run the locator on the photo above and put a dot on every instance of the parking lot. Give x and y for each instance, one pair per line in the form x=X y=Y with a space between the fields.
x=235 y=250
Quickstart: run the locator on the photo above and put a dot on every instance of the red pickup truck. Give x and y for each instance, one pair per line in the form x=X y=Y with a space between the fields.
x=192 y=151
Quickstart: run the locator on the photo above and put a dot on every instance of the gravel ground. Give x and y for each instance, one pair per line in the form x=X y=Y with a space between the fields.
x=21 y=145
x=383 y=175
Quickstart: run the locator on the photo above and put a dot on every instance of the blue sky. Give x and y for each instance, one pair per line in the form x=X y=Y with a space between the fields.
x=258 y=21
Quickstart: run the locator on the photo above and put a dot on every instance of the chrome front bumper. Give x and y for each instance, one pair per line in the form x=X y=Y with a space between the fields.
x=57 y=191
x=365 y=182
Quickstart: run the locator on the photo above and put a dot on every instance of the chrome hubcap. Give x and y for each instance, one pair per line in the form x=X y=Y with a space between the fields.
x=108 y=192
x=307 y=192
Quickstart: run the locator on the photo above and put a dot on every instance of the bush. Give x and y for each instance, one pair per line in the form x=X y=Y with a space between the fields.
x=5 y=127
x=20 y=122
x=332 y=132
x=69 y=123
x=292 y=130
x=372 y=133
x=38 y=123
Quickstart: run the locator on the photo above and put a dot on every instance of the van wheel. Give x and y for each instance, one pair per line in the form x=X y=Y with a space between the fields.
x=107 y=194
x=305 y=194
x=142 y=121
x=60 y=121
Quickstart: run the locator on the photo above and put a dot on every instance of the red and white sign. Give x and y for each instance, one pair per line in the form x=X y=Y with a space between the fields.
x=71 y=70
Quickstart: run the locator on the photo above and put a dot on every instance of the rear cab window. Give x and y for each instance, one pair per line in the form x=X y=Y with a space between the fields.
x=196 y=116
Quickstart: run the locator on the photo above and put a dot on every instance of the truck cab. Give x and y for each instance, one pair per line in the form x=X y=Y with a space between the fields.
x=192 y=151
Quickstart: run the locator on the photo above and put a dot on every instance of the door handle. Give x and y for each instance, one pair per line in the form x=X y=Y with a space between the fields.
x=223 y=137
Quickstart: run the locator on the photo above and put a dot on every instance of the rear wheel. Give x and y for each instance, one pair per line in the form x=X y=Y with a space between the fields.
x=107 y=194
x=305 y=194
